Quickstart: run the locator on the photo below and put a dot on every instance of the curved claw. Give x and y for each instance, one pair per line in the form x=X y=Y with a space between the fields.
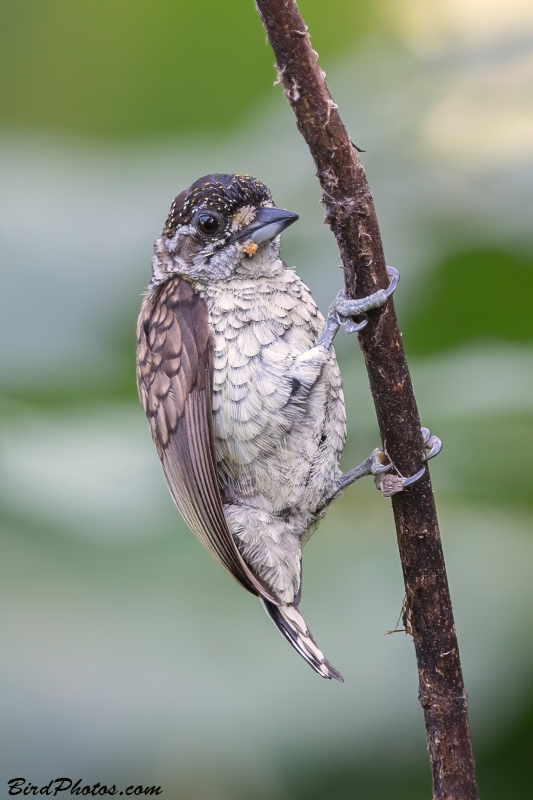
x=414 y=478
x=352 y=327
x=382 y=468
x=426 y=434
x=394 y=276
x=431 y=443
x=435 y=446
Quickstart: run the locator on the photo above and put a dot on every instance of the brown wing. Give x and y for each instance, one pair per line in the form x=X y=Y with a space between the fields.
x=174 y=376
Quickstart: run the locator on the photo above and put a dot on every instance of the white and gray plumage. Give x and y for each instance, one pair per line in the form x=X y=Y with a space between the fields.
x=241 y=387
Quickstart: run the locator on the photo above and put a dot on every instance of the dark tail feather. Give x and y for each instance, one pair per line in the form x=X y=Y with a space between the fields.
x=292 y=625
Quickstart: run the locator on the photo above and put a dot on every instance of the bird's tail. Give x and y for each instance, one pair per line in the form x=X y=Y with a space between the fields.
x=292 y=625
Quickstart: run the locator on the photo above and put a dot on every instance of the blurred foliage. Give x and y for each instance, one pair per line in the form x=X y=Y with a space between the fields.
x=506 y=769
x=340 y=782
x=504 y=772
x=137 y=67
x=500 y=465
x=479 y=294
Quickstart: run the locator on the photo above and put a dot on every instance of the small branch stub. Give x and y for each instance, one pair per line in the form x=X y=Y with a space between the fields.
x=351 y=214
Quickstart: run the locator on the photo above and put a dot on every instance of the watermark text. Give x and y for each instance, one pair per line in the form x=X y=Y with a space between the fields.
x=55 y=787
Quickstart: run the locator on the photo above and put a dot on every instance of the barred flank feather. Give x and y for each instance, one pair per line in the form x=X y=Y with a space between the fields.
x=292 y=625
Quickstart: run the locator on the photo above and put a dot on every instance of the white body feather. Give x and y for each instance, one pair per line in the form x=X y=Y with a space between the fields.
x=279 y=418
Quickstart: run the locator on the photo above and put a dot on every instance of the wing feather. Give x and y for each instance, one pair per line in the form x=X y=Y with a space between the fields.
x=175 y=377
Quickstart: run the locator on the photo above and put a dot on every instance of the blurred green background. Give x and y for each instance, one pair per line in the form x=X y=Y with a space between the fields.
x=128 y=656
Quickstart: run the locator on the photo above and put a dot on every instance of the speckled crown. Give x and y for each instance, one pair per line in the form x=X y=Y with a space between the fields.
x=223 y=193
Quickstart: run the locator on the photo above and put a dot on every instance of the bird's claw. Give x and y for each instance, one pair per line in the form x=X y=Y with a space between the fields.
x=352 y=327
x=394 y=276
x=431 y=443
x=345 y=309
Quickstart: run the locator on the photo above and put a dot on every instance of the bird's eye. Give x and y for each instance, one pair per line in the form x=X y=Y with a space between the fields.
x=207 y=224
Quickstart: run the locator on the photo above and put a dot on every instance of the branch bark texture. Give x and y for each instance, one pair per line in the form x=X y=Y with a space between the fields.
x=350 y=212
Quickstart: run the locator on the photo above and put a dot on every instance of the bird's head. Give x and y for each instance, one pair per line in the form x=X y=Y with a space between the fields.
x=218 y=226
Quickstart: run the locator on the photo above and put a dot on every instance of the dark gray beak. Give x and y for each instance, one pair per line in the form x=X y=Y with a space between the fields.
x=268 y=223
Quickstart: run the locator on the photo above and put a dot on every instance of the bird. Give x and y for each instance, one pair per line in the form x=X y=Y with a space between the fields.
x=239 y=381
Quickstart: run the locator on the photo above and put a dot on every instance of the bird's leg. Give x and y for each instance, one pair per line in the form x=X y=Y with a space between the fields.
x=342 y=310
x=375 y=465
x=333 y=324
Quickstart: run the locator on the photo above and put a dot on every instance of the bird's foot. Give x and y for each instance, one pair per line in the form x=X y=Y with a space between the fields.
x=345 y=309
x=342 y=310
x=389 y=484
x=378 y=465
x=392 y=484
x=373 y=465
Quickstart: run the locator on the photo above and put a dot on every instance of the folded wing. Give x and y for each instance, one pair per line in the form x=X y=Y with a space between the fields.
x=174 y=377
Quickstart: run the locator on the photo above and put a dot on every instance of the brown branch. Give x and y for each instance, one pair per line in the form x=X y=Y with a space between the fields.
x=351 y=214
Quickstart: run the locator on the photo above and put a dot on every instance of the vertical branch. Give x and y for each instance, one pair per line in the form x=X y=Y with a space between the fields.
x=351 y=214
